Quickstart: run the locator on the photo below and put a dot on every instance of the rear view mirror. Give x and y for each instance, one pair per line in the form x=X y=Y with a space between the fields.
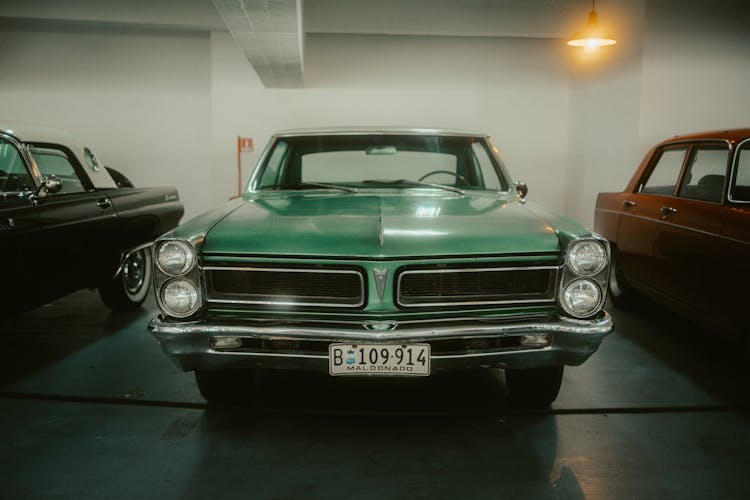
x=522 y=189
x=381 y=150
x=51 y=184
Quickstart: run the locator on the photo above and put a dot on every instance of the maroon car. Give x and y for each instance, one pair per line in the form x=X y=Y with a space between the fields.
x=680 y=232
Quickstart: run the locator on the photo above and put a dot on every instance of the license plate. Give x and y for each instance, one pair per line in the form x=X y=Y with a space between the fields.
x=379 y=359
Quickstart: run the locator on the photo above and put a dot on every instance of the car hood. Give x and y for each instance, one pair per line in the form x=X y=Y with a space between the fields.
x=380 y=226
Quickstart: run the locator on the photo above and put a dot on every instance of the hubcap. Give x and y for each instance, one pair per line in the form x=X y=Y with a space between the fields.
x=134 y=272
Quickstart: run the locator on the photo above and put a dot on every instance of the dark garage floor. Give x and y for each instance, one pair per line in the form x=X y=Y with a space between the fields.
x=91 y=408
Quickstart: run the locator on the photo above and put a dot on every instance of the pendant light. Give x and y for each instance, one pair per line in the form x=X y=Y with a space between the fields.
x=591 y=38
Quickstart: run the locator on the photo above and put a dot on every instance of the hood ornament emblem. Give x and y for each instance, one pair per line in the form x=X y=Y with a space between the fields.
x=381 y=276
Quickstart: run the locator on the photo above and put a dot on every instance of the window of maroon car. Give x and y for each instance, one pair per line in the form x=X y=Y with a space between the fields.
x=705 y=173
x=741 y=184
x=665 y=172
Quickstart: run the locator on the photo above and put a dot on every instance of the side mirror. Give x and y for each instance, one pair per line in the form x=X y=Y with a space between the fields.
x=522 y=189
x=51 y=184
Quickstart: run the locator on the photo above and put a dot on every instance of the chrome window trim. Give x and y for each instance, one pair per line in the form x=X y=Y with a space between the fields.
x=359 y=274
x=490 y=148
x=683 y=170
x=733 y=172
x=26 y=157
x=399 y=302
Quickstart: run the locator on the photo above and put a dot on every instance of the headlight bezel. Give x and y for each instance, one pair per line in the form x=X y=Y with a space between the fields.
x=599 y=279
x=191 y=275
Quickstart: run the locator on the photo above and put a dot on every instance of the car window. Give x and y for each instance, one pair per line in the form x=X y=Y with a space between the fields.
x=485 y=169
x=666 y=172
x=376 y=161
x=705 y=173
x=52 y=161
x=353 y=166
x=275 y=164
x=14 y=177
x=741 y=185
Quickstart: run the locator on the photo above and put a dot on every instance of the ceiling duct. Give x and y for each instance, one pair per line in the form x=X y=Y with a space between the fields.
x=270 y=34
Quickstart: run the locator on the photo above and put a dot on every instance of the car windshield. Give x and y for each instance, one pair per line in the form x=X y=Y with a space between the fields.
x=352 y=162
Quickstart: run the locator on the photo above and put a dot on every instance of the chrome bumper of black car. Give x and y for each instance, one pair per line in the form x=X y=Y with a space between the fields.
x=464 y=345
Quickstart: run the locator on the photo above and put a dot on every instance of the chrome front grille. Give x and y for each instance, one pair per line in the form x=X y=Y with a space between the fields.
x=476 y=286
x=305 y=287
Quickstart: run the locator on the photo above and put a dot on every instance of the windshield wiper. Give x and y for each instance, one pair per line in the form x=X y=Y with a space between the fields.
x=408 y=182
x=303 y=185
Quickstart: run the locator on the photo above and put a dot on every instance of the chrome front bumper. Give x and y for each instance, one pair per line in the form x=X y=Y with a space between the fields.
x=571 y=342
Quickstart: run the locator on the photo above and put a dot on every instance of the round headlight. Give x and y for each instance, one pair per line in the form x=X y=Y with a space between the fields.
x=175 y=257
x=587 y=257
x=180 y=298
x=581 y=298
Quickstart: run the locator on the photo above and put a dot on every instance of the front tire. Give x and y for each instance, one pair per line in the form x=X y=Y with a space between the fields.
x=621 y=293
x=225 y=386
x=129 y=288
x=534 y=387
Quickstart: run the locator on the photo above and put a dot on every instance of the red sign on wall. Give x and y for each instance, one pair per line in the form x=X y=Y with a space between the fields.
x=244 y=144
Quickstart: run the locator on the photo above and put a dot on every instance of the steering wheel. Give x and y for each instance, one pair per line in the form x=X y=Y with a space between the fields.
x=454 y=174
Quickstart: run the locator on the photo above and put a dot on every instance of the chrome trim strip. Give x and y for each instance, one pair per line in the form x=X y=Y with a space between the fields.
x=597 y=326
x=477 y=302
x=377 y=131
x=699 y=231
x=269 y=354
x=319 y=356
x=272 y=302
x=660 y=221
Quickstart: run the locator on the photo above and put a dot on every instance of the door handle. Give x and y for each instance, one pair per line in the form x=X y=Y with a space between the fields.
x=667 y=211
x=103 y=203
x=628 y=203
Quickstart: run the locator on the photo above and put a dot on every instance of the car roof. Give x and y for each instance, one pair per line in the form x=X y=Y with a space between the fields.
x=376 y=130
x=732 y=135
x=25 y=132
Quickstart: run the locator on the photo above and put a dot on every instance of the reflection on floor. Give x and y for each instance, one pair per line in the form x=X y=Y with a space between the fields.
x=90 y=408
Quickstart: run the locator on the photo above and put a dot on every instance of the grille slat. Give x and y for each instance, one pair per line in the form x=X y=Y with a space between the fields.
x=433 y=287
x=271 y=286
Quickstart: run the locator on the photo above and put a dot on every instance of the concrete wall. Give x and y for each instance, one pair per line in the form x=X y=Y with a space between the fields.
x=165 y=106
x=682 y=66
x=517 y=90
x=140 y=99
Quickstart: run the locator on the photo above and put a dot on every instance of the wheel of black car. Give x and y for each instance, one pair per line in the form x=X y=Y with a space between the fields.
x=130 y=287
x=621 y=293
x=534 y=387
x=225 y=386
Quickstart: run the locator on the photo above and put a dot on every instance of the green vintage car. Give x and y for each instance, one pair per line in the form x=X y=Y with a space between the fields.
x=381 y=252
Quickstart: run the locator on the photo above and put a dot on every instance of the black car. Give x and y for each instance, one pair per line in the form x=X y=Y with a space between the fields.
x=66 y=223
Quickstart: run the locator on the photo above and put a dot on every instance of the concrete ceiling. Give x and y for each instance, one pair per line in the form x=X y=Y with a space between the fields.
x=271 y=32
